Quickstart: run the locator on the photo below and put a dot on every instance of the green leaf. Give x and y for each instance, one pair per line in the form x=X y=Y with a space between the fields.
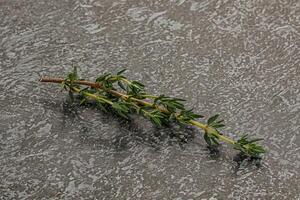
x=187 y=115
x=212 y=119
x=122 y=109
x=215 y=141
x=218 y=125
x=138 y=84
x=121 y=85
x=75 y=71
x=178 y=99
x=255 y=140
x=207 y=139
x=103 y=77
x=156 y=121
x=219 y=122
x=121 y=71
x=195 y=116
x=73 y=75
x=101 y=106
x=82 y=101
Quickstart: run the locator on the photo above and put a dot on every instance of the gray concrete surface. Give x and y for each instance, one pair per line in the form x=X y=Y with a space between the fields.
x=237 y=58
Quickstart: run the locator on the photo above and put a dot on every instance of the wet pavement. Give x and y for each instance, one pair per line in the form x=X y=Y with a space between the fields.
x=237 y=58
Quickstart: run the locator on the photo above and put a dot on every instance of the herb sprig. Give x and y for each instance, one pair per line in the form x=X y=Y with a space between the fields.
x=126 y=97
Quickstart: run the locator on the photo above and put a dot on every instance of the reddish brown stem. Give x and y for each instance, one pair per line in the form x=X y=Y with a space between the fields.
x=60 y=80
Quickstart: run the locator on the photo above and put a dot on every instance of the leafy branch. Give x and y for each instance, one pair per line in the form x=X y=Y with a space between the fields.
x=160 y=110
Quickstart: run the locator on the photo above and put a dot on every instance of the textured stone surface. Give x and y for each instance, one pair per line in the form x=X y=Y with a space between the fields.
x=238 y=58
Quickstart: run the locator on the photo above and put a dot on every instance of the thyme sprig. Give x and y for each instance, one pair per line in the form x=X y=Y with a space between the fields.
x=160 y=110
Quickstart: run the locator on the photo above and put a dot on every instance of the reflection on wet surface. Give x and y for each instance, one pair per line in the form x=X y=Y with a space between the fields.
x=237 y=58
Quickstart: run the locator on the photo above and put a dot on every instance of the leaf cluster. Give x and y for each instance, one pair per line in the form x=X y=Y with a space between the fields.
x=249 y=147
x=122 y=109
x=187 y=115
x=171 y=104
x=213 y=122
x=132 y=88
x=157 y=117
x=69 y=82
x=211 y=139
x=106 y=80
x=135 y=89
x=73 y=76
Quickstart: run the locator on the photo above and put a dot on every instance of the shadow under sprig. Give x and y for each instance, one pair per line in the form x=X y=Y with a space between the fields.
x=244 y=161
x=130 y=132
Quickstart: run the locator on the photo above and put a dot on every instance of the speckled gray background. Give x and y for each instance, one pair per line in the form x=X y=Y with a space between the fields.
x=237 y=58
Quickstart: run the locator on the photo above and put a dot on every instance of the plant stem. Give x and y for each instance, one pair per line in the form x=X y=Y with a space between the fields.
x=60 y=80
x=126 y=81
x=77 y=90
x=126 y=97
